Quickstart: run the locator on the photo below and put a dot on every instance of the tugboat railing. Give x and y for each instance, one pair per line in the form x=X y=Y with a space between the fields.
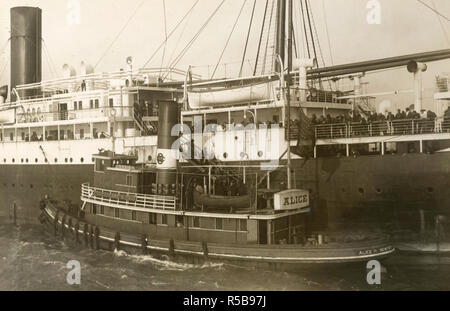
x=128 y=199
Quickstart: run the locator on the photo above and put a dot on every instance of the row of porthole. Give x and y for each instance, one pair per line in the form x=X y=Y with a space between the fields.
x=46 y=186
x=379 y=190
x=260 y=154
x=36 y=160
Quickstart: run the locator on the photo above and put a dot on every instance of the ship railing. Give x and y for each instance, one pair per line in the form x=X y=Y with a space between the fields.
x=382 y=128
x=65 y=115
x=128 y=199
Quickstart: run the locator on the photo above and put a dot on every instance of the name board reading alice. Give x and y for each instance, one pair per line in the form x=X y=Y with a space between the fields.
x=291 y=200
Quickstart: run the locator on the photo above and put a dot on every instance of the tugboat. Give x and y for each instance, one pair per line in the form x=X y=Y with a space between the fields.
x=200 y=213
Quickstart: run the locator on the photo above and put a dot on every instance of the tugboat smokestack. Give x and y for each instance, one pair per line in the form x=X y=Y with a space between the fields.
x=166 y=156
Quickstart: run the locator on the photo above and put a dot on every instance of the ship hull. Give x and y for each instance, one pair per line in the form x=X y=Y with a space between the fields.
x=22 y=187
x=394 y=191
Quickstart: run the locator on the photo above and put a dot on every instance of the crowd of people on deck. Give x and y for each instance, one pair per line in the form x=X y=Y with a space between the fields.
x=426 y=120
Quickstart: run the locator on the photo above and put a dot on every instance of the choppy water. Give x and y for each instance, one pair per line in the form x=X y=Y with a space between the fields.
x=33 y=259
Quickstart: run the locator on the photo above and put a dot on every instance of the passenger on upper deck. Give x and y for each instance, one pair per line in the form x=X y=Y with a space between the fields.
x=83 y=86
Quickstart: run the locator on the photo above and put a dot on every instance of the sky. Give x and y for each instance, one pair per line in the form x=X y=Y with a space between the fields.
x=406 y=27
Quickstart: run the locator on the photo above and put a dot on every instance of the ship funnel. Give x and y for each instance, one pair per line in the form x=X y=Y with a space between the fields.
x=26 y=49
x=417 y=68
x=166 y=155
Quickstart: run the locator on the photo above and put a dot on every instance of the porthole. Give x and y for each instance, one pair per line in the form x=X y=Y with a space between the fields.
x=379 y=190
x=260 y=154
x=13 y=160
x=71 y=160
x=361 y=190
x=150 y=157
x=66 y=160
x=26 y=160
x=56 y=160
x=82 y=160
x=225 y=155
x=21 y=160
x=242 y=155
x=36 y=160
x=46 y=160
x=4 y=160
x=236 y=138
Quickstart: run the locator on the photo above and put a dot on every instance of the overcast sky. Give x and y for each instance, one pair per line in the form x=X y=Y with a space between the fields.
x=406 y=27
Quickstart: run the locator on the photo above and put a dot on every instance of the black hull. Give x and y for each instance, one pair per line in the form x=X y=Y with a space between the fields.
x=26 y=185
x=355 y=191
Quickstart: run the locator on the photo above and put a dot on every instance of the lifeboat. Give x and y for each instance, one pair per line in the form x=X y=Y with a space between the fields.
x=222 y=202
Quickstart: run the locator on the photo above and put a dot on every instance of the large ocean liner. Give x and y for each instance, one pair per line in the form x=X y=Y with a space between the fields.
x=391 y=173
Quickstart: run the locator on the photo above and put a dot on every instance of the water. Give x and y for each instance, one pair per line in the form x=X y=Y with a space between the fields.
x=33 y=259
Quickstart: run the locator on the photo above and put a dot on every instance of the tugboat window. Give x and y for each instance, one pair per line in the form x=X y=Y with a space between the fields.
x=116 y=213
x=129 y=180
x=219 y=224
x=94 y=209
x=179 y=221
x=196 y=222
x=102 y=210
x=133 y=215
x=152 y=219
x=164 y=219
x=243 y=225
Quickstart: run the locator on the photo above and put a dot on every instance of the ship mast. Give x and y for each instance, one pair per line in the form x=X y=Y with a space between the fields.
x=281 y=48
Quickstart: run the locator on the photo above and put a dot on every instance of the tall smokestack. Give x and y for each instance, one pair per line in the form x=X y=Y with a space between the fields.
x=166 y=158
x=26 y=48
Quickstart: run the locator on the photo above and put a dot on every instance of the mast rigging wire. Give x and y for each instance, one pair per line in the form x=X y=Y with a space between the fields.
x=305 y=29
x=327 y=31
x=440 y=23
x=165 y=33
x=191 y=42
x=260 y=37
x=248 y=36
x=120 y=32
x=171 y=33
x=229 y=37
x=434 y=10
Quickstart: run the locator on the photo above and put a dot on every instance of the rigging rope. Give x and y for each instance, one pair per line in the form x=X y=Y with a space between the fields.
x=435 y=11
x=191 y=42
x=229 y=37
x=50 y=57
x=327 y=31
x=267 y=41
x=171 y=33
x=248 y=36
x=442 y=24
x=304 y=28
x=120 y=32
x=179 y=38
x=260 y=37
x=165 y=33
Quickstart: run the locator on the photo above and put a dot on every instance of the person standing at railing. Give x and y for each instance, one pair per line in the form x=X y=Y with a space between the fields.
x=83 y=86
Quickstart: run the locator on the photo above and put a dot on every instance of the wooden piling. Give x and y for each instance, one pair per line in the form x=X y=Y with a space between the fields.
x=172 y=248
x=117 y=241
